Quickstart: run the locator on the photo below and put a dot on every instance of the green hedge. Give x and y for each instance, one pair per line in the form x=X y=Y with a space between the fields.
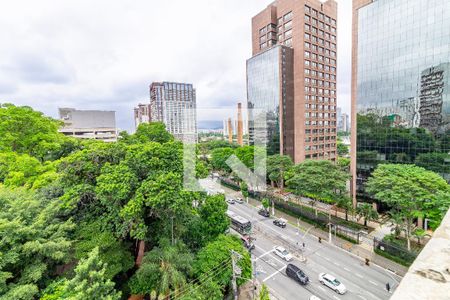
x=393 y=258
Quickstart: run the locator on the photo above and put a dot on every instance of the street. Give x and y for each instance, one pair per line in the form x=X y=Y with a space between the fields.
x=361 y=281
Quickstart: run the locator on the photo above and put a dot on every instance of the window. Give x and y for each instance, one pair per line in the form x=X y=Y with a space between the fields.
x=288 y=42
x=262 y=31
x=307 y=27
x=279 y=21
x=307 y=62
x=287 y=16
x=307 y=45
x=307 y=18
x=288 y=25
x=307 y=54
x=262 y=39
x=262 y=46
x=307 y=9
x=307 y=36
x=288 y=34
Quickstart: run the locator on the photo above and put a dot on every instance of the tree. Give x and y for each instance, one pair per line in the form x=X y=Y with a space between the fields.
x=342 y=149
x=318 y=179
x=90 y=281
x=366 y=211
x=219 y=157
x=264 y=293
x=344 y=164
x=345 y=203
x=113 y=252
x=265 y=203
x=396 y=220
x=215 y=258
x=277 y=165
x=164 y=270
x=35 y=238
x=153 y=132
x=244 y=190
x=26 y=131
x=408 y=189
x=419 y=233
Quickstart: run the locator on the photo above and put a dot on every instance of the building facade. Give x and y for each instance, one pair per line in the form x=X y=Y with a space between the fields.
x=292 y=74
x=343 y=121
x=89 y=124
x=400 y=86
x=175 y=105
x=141 y=114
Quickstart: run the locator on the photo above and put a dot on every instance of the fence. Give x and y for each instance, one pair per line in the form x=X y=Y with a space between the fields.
x=394 y=251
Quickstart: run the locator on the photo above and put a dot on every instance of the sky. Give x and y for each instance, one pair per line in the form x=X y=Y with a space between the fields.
x=104 y=54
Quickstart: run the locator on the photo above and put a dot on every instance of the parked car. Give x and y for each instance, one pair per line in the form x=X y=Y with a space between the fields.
x=239 y=200
x=331 y=282
x=248 y=242
x=264 y=212
x=297 y=274
x=280 y=222
x=230 y=200
x=283 y=253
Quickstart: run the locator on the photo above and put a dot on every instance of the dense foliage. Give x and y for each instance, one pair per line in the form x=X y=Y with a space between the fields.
x=73 y=215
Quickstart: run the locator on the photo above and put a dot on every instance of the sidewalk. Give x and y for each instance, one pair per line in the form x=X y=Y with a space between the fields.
x=362 y=251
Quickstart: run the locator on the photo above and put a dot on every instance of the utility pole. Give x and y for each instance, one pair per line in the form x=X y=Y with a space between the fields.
x=236 y=271
x=329 y=233
x=273 y=208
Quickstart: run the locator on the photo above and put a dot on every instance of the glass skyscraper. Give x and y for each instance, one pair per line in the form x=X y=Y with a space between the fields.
x=401 y=77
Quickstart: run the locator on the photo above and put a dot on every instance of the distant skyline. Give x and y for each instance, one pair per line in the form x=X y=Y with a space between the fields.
x=104 y=55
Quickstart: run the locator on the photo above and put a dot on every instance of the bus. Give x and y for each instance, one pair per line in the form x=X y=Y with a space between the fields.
x=240 y=224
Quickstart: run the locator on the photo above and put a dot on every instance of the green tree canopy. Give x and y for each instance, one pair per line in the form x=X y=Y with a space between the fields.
x=408 y=189
x=153 y=132
x=277 y=165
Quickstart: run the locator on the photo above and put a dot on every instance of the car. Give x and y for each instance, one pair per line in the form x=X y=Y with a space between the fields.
x=297 y=274
x=283 y=253
x=230 y=200
x=248 y=242
x=239 y=200
x=280 y=222
x=331 y=282
x=264 y=212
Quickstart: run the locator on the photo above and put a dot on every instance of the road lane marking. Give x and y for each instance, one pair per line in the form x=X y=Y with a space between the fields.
x=362 y=297
x=359 y=275
x=374 y=283
x=319 y=255
x=262 y=255
x=327 y=258
x=347 y=269
x=336 y=297
x=275 y=273
x=321 y=288
x=337 y=264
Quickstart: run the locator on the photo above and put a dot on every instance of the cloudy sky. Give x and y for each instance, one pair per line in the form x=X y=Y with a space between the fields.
x=104 y=54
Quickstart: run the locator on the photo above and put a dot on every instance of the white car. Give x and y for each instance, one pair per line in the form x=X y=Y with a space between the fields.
x=283 y=253
x=331 y=282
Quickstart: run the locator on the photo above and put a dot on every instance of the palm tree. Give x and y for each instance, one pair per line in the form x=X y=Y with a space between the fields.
x=345 y=203
x=419 y=233
x=367 y=212
x=164 y=269
x=396 y=220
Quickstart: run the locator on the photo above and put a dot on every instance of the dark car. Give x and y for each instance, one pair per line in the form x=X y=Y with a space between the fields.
x=280 y=222
x=297 y=274
x=263 y=212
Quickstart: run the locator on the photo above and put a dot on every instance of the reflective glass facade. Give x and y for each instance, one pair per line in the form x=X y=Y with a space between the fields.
x=403 y=77
x=268 y=76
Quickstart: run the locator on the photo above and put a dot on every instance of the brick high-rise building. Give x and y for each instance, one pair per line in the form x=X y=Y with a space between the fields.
x=400 y=86
x=292 y=76
x=174 y=104
x=141 y=114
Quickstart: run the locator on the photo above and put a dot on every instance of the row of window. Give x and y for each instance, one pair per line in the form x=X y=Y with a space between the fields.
x=326 y=84
x=320 y=131
x=267 y=28
x=320 y=66
x=318 y=147
x=320 y=74
x=321 y=50
x=321 y=41
x=320 y=24
x=285 y=18
x=321 y=107
x=319 y=115
x=321 y=33
x=320 y=123
x=316 y=47
x=320 y=99
x=330 y=154
x=320 y=15
x=320 y=138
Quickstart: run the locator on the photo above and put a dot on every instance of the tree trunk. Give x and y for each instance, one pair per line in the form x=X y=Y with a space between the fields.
x=365 y=222
x=346 y=215
x=140 y=255
x=408 y=231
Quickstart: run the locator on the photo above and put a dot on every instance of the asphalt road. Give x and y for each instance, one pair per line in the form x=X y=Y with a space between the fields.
x=362 y=282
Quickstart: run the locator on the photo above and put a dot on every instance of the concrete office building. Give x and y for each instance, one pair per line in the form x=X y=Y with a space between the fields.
x=174 y=104
x=89 y=124
x=343 y=121
x=400 y=85
x=141 y=114
x=292 y=75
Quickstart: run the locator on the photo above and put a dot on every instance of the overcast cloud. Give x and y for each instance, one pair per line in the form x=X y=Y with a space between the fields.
x=104 y=54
